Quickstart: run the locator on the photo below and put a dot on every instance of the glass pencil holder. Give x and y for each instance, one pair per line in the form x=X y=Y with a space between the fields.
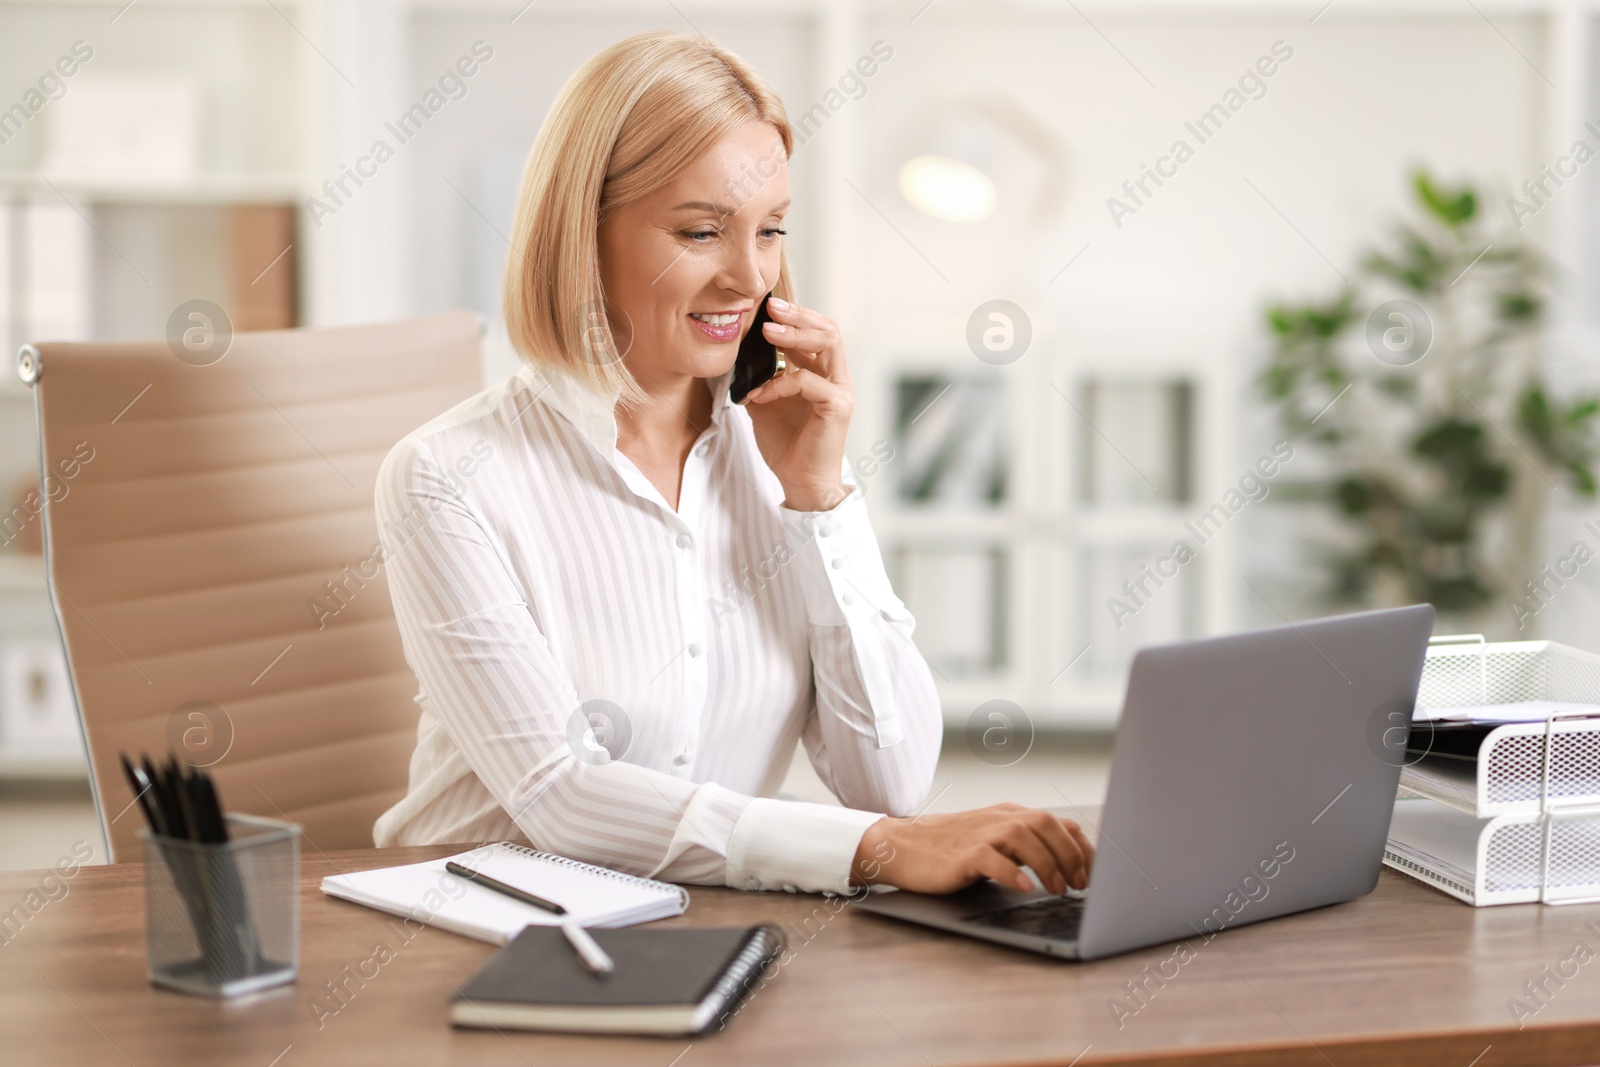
x=223 y=919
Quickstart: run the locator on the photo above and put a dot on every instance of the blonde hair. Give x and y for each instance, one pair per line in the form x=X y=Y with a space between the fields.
x=623 y=125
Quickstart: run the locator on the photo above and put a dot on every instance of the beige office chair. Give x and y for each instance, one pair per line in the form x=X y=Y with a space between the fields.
x=209 y=537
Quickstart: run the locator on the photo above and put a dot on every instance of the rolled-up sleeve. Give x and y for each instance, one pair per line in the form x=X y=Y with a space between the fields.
x=507 y=702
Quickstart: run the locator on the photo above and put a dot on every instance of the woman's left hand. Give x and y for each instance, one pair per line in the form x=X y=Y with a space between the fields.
x=801 y=416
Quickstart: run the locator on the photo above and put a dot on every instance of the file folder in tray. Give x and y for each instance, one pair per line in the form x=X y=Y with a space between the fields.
x=1500 y=791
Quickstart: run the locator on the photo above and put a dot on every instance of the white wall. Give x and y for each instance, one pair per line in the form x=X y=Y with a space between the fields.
x=1361 y=101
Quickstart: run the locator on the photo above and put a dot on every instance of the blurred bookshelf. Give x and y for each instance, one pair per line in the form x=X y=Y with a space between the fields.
x=159 y=159
x=1019 y=499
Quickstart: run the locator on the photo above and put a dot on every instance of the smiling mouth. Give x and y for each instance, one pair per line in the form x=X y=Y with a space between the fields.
x=719 y=327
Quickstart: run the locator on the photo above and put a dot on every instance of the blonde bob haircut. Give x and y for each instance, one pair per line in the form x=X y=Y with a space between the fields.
x=623 y=125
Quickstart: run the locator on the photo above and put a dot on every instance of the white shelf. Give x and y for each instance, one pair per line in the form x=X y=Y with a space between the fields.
x=203 y=188
x=1074 y=702
x=21 y=572
x=13 y=388
x=15 y=767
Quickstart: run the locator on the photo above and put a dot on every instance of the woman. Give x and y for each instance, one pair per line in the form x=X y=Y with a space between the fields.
x=605 y=540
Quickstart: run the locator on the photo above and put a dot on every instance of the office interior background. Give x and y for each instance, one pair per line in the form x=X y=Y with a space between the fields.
x=1142 y=348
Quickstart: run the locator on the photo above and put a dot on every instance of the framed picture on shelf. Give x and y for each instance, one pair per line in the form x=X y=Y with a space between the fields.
x=950 y=440
x=1135 y=441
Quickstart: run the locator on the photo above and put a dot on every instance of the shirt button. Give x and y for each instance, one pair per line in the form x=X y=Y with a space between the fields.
x=826 y=529
x=695 y=649
x=681 y=758
x=684 y=540
x=849 y=598
x=705 y=446
x=839 y=563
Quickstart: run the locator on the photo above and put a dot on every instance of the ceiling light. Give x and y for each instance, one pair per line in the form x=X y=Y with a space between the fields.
x=948 y=188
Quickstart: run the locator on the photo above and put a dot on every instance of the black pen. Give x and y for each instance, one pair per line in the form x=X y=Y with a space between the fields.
x=140 y=786
x=589 y=951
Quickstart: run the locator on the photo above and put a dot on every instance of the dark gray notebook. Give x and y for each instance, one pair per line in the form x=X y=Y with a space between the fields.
x=679 y=981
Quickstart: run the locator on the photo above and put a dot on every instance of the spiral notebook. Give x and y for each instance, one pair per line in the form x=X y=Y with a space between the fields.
x=428 y=894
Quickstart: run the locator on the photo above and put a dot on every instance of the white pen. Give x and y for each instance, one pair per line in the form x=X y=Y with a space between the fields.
x=589 y=951
x=594 y=957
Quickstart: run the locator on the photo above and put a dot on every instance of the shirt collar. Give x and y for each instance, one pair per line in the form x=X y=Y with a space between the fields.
x=592 y=412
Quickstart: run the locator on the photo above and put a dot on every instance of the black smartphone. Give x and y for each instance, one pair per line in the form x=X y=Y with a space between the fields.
x=757 y=362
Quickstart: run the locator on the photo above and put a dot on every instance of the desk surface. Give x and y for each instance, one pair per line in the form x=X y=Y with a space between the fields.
x=1403 y=976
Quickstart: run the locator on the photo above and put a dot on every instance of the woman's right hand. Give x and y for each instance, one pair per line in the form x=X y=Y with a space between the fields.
x=943 y=853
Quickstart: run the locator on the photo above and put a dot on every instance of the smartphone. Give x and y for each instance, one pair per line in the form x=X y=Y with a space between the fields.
x=757 y=362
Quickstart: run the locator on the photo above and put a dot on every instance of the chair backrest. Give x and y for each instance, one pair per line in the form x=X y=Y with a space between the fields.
x=210 y=548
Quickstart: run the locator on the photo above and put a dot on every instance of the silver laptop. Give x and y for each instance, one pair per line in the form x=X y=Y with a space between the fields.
x=1254 y=775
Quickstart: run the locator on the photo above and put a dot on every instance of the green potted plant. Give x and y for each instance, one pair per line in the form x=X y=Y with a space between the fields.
x=1419 y=386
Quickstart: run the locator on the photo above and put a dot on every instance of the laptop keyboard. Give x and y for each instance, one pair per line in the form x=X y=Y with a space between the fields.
x=1056 y=918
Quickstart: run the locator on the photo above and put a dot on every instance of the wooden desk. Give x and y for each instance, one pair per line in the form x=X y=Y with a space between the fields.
x=1404 y=976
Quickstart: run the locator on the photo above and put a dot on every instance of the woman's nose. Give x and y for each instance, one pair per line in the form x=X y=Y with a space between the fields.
x=743 y=272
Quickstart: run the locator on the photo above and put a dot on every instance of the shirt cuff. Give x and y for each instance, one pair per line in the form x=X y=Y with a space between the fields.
x=796 y=845
x=839 y=565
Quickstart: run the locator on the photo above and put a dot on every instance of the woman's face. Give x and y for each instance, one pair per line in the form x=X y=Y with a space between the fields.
x=707 y=244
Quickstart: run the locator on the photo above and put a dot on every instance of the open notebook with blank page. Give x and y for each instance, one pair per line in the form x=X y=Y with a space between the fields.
x=427 y=893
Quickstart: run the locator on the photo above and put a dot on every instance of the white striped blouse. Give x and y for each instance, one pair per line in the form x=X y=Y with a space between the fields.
x=609 y=679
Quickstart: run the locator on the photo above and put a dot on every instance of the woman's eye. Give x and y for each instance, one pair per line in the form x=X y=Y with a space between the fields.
x=698 y=235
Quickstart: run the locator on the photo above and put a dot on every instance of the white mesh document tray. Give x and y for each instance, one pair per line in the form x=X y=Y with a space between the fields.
x=1466 y=671
x=1521 y=822
x=1510 y=776
x=1507 y=859
x=1522 y=767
